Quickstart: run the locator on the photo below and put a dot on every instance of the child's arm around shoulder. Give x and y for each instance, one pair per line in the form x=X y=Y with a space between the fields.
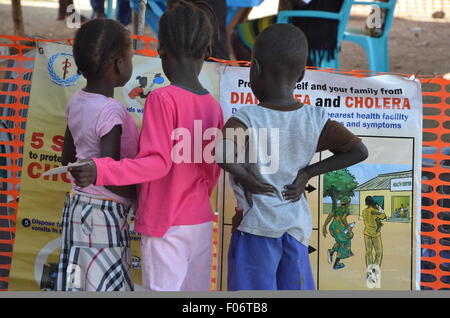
x=154 y=159
x=347 y=148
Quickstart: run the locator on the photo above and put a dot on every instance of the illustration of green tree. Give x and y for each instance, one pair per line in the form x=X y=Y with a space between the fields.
x=338 y=184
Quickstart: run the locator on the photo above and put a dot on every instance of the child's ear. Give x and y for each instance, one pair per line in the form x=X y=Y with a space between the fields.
x=302 y=75
x=257 y=66
x=120 y=67
x=160 y=51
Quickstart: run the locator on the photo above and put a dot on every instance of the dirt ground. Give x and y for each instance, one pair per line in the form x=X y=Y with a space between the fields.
x=414 y=46
x=420 y=44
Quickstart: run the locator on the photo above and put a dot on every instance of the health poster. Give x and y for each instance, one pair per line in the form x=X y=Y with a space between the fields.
x=55 y=79
x=366 y=218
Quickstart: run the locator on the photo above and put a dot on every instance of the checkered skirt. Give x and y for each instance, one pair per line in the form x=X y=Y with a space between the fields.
x=95 y=251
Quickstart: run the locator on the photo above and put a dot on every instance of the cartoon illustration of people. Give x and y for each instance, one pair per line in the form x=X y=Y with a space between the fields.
x=372 y=232
x=136 y=262
x=142 y=80
x=378 y=220
x=402 y=211
x=341 y=231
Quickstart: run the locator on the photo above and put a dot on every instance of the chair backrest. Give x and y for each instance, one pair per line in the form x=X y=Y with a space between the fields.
x=389 y=17
x=158 y=8
x=389 y=6
x=342 y=16
x=343 y=21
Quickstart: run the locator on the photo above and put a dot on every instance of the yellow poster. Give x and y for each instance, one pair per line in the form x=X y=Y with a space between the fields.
x=55 y=79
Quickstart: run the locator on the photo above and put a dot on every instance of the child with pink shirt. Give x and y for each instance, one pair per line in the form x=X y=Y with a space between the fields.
x=95 y=251
x=174 y=211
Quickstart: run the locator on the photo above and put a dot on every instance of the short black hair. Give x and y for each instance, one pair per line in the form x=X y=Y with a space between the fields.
x=186 y=29
x=283 y=48
x=97 y=43
x=369 y=201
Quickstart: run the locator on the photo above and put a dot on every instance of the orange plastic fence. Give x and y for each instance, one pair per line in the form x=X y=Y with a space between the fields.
x=435 y=230
x=435 y=233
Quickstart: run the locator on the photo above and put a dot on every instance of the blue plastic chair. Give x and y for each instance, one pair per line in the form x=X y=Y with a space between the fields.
x=376 y=48
x=109 y=9
x=234 y=6
x=342 y=16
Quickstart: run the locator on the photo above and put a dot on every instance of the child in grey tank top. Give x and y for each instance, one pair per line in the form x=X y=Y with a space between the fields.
x=269 y=244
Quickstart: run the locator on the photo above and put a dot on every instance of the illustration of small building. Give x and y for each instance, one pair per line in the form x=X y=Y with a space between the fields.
x=392 y=191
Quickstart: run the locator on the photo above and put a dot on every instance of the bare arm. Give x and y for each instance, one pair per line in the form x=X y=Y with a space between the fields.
x=325 y=224
x=344 y=220
x=69 y=151
x=339 y=160
x=379 y=215
x=110 y=147
x=347 y=149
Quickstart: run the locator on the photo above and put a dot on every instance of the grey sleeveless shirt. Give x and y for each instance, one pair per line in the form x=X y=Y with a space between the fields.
x=292 y=138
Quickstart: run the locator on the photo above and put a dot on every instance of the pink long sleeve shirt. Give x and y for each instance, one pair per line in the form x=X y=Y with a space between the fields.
x=171 y=192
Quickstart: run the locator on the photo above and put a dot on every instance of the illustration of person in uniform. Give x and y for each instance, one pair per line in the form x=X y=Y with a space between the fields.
x=341 y=231
x=142 y=80
x=372 y=217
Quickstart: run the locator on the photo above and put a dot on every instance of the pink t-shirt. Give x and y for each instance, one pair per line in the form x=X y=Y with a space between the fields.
x=170 y=193
x=90 y=117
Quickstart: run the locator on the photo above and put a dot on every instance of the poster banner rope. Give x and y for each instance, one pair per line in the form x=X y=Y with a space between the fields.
x=16 y=69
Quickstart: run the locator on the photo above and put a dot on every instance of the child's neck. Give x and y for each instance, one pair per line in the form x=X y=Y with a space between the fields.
x=101 y=87
x=279 y=96
x=184 y=72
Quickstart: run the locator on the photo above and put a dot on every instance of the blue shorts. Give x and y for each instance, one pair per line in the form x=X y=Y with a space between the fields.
x=264 y=263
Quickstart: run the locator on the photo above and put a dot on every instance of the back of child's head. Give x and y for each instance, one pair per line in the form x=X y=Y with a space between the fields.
x=186 y=29
x=98 y=43
x=282 y=50
x=369 y=201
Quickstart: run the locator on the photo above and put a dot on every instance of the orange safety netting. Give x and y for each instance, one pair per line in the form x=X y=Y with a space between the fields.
x=435 y=230
x=435 y=199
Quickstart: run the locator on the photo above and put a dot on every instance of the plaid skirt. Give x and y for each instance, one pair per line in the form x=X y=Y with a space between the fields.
x=95 y=251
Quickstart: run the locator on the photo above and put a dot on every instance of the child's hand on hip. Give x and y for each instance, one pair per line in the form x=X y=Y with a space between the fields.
x=253 y=185
x=295 y=190
x=84 y=175
x=237 y=218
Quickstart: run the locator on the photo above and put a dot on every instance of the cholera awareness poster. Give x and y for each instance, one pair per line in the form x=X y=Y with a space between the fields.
x=55 y=79
x=384 y=111
x=381 y=249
